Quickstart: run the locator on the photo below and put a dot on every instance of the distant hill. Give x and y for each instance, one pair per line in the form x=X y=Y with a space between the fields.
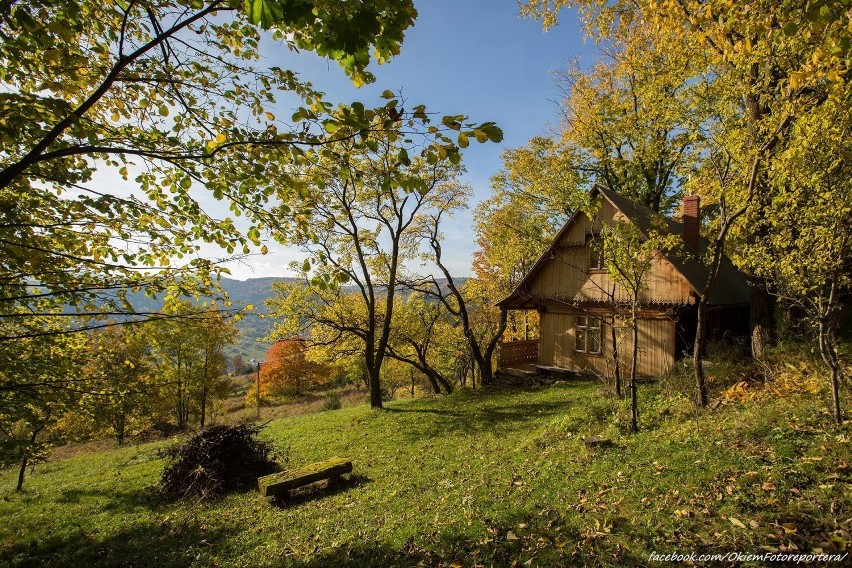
x=253 y=328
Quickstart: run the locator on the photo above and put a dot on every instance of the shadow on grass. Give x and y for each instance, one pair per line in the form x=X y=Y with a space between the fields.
x=144 y=544
x=475 y=418
x=507 y=544
x=146 y=497
x=319 y=490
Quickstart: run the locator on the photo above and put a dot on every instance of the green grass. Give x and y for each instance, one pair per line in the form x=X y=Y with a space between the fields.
x=478 y=479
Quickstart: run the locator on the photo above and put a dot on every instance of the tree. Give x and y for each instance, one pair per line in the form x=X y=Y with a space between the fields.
x=357 y=220
x=118 y=380
x=808 y=252
x=532 y=196
x=40 y=382
x=328 y=319
x=166 y=93
x=627 y=120
x=287 y=370
x=190 y=358
x=419 y=327
x=764 y=67
x=466 y=304
x=628 y=256
x=216 y=331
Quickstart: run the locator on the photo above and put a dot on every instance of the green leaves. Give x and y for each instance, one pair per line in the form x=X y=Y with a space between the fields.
x=264 y=13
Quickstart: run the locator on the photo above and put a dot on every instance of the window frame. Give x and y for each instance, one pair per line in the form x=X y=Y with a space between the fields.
x=595 y=253
x=583 y=325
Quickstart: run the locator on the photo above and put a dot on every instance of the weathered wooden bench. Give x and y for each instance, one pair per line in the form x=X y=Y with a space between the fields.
x=282 y=482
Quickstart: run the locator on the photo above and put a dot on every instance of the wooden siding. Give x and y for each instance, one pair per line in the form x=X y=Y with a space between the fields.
x=656 y=346
x=566 y=275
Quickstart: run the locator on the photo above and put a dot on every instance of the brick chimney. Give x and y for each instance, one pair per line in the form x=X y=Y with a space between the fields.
x=692 y=221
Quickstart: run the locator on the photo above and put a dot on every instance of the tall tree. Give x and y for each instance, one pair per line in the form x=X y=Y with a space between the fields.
x=215 y=331
x=627 y=120
x=419 y=327
x=808 y=252
x=189 y=357
x=357 y=220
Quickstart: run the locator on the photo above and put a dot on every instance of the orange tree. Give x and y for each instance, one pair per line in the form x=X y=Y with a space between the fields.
x=287 y=371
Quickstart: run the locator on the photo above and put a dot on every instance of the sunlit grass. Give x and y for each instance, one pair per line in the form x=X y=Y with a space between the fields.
x=471 y=478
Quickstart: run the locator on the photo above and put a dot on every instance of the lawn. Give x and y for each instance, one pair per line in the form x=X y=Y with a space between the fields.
x=497 y=478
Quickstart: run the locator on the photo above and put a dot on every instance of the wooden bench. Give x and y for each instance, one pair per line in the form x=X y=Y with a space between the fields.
x=283 y=482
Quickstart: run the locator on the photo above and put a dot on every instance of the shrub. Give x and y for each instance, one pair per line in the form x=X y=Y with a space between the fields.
x=332 y=402
x=217 y=460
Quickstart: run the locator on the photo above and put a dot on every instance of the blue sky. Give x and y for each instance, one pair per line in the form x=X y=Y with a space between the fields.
x=473 y=57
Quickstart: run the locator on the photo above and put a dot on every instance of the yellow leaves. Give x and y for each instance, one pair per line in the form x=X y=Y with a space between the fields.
x=789 y=380
x=220 y=139
x=738 y=392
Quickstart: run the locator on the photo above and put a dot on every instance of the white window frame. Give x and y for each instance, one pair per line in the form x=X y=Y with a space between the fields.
x=584 y=327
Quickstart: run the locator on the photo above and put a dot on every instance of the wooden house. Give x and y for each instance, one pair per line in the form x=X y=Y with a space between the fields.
x=580 y=306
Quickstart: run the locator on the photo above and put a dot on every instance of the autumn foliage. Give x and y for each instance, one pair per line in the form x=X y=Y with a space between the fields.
x=287 y=371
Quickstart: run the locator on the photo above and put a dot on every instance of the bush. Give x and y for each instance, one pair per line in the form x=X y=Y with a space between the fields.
x=217 y=460
x=332 y=402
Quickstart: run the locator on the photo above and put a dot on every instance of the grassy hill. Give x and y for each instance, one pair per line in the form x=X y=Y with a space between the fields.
x=499 y=478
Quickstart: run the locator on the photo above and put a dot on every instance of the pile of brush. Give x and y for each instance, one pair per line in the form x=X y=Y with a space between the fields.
x=217 y=460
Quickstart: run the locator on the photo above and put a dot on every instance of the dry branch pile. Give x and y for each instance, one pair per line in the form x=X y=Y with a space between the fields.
x=215 y=461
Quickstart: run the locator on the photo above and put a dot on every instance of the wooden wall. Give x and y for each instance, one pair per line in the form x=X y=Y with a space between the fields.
x=566 y=275
x=656 y=346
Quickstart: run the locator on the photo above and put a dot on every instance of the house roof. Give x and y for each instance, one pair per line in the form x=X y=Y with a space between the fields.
x=731 y=286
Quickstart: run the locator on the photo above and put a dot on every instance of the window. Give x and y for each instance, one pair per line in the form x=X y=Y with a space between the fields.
x=588 y=333
x=595 y=248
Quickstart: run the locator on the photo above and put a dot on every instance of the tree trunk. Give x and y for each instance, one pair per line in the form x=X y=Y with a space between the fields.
x=448 y=386
x=204 y=387
x=120 y=428
x=25 y=458
x=484 y=360
x=21 y=472
x=829 y=356
x=375 y=388
x=617 y=370
x=634 y=405
x=698 y=352
x=436 y=388
x=762 y=319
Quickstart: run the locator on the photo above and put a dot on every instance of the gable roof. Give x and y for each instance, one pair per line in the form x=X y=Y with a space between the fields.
x=731 y=286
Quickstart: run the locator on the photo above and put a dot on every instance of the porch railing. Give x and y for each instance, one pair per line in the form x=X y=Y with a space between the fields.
x=518 y=353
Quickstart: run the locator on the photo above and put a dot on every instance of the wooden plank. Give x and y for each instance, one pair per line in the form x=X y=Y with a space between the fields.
x=278 y=483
